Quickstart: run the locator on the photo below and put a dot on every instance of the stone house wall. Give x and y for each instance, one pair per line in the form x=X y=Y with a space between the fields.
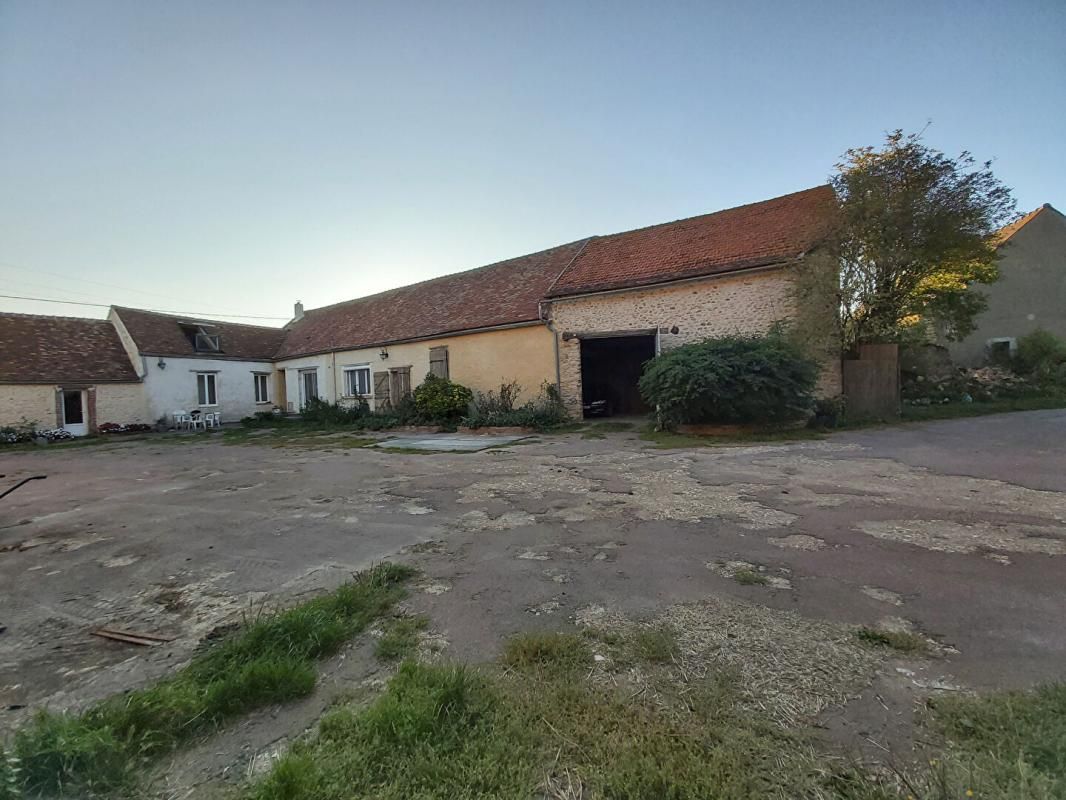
x=745 y=303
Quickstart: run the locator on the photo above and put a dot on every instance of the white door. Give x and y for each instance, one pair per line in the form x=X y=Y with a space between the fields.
x=308 y=385
x=75 y=412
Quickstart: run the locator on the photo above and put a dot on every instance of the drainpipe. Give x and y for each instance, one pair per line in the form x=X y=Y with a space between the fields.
x=555 y=344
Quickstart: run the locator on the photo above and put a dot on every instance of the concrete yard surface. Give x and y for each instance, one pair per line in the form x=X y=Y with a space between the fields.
x=954 y=531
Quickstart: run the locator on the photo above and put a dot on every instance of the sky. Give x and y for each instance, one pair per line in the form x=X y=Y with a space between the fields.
x=232 y=158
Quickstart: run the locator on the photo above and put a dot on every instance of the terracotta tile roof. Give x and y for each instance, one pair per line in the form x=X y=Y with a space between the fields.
x=771 y=232
x=1007 y=231
x=41 y=349
x=504 y=293
x=163 y=335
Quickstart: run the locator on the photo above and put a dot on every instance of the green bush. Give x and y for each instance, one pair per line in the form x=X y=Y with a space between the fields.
x=1041 y=354
x=492 y=410
x=319 y=412
x=441 y=400
x=731 y=379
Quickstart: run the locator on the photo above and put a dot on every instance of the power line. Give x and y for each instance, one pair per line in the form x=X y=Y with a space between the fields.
x=37 y=271
x=155 y=310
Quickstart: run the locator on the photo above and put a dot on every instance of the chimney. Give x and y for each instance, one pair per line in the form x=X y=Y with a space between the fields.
x=297 y=311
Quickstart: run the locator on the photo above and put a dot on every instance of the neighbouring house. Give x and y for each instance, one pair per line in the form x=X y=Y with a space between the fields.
x=479 y=328
x=188 y=364
x=66 y=372
x=628 y=296
x=1030 y=292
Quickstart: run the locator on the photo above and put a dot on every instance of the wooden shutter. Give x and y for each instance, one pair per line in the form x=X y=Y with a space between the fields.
x=381 y=390
x=438 y=362
x=400 y=387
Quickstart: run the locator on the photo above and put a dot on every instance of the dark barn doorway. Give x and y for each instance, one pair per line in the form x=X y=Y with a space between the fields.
x=610 y=369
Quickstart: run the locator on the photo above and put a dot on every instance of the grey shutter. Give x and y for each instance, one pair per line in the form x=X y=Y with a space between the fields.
x=381 y=390
x=438 y=362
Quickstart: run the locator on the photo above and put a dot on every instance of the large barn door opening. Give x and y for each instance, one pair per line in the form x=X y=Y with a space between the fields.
x=610 y=369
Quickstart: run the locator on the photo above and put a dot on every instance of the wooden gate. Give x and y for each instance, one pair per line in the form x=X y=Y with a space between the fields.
x=871 y=383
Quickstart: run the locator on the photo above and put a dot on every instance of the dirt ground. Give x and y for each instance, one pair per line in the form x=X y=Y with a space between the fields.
x=954 y=530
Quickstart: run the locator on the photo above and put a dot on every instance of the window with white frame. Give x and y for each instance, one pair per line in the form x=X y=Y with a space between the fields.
x=207 y=388
x=262 y=394
x=357 y=381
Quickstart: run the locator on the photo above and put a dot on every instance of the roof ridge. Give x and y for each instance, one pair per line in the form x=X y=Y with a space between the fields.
x=191 y=318
x=51 y=316
x=719 y=211
x=441 y=277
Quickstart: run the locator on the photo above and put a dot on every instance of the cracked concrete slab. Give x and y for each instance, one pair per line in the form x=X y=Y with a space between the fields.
x=969 y=538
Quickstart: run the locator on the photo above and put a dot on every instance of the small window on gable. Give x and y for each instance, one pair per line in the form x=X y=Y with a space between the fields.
x=357 y=381
x=203 y=337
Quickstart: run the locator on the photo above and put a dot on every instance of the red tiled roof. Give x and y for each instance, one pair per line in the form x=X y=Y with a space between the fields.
x=41 y=349
x=504 y=293
x=1007 y=231
x=760 y=234
x=162 y=335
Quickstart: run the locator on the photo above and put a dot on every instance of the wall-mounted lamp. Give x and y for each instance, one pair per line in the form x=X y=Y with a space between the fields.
x=161 y=364
x=384 y=353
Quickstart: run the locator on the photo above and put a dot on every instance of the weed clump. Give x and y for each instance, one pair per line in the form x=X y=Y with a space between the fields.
x=269 y=660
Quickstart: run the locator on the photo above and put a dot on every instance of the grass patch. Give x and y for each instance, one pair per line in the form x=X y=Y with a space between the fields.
x=612 y=427
x=542 y=727
x=669 y=440
x=542 y=650
x=296 y=437
x=1007 y=745
x=268 y=660
x=956 y=410
x=749 y=577
x=400 y=638
x=904 y=641
x=657 y=645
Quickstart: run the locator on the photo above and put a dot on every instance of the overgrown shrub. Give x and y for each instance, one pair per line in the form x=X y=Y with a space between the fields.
x=441 y=400
x=1042 y=355
x=319 y=412
x=490 y=410
x=731 y=379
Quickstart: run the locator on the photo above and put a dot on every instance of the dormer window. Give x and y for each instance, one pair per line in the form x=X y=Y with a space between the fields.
x=202 y=337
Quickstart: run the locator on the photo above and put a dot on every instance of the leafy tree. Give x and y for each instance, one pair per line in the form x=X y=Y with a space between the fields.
x=916 y=230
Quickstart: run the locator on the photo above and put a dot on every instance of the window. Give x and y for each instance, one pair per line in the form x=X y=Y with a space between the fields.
x=206 y=388
x=308 y=386
x=1001 y=349
x=204 y=338
x=357 y=381
x=262 y=395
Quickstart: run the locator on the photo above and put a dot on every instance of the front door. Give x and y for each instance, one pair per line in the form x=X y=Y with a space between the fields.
x=75 y=412
x=308 y=386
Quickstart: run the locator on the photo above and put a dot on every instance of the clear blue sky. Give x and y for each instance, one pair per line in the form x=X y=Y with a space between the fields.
x=238 y=156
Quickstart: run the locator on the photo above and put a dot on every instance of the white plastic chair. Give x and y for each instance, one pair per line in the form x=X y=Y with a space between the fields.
x=196 y=420
x=181 y=420
x=213 y=419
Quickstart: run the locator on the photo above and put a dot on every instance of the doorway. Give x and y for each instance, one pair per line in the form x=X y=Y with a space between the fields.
x=75 y=412
x=610 y=369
